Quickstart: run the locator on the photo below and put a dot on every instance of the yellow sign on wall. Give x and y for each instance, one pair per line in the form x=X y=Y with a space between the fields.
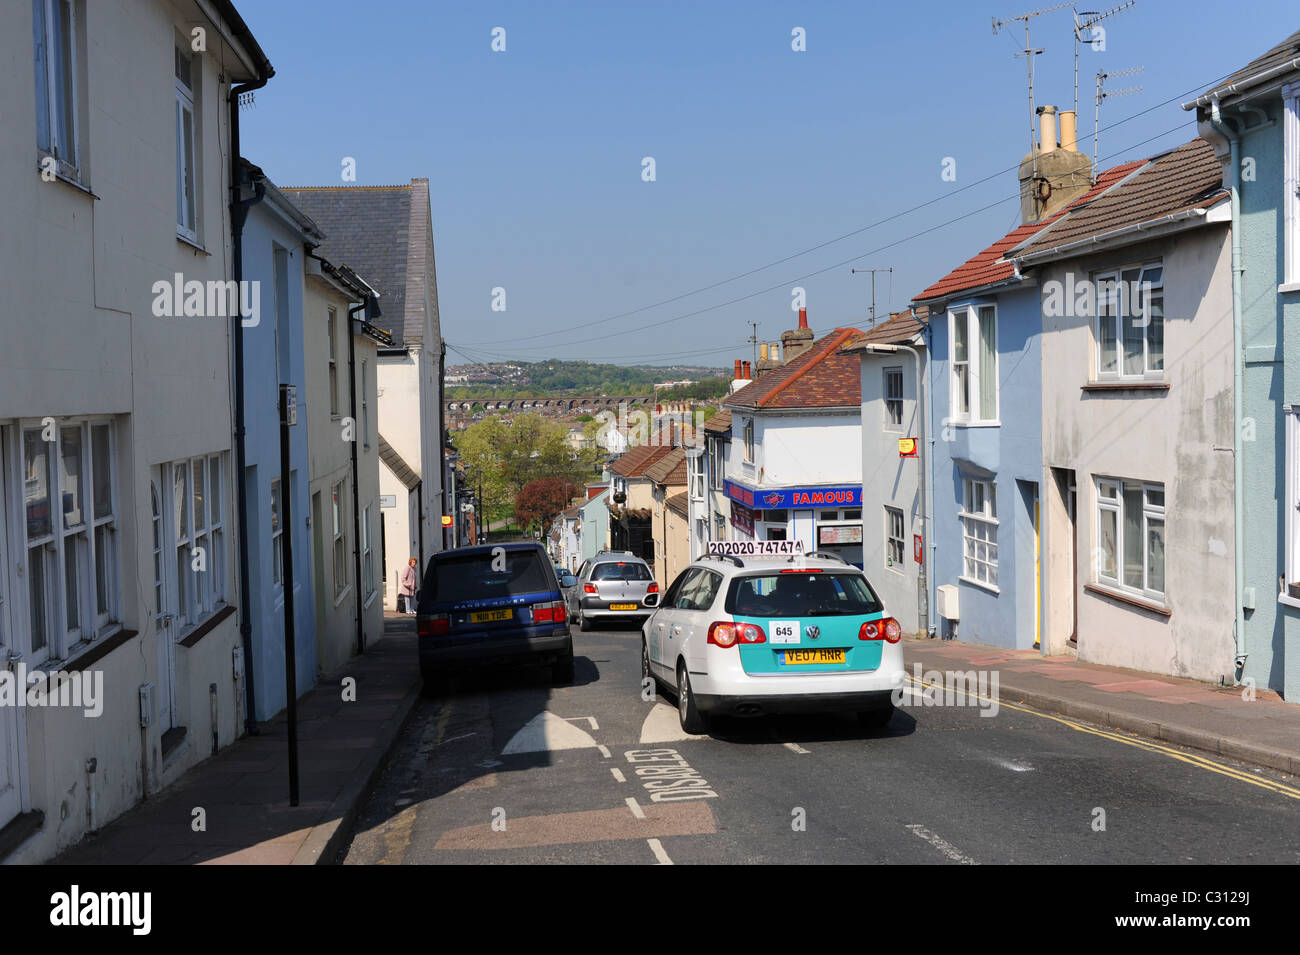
x=907 y=447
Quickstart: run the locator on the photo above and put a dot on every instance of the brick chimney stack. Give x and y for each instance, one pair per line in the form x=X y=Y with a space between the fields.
x=798 y=340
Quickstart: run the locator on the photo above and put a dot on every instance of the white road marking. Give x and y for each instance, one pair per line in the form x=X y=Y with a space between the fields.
x=454 y=738
x=662 y=725
x=604 y=751
x=635 y=807
x=590 y=719
x=943 y=845
x=796 y=748
x=1012 y=765
x=657 y=848
x=618 y=774
x=546 y=732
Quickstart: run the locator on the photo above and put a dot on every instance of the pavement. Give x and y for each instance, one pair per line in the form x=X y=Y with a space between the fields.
x=345 y=747
x=244 y=789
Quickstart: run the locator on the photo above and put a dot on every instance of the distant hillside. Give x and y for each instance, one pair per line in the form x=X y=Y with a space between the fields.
x=555 y=376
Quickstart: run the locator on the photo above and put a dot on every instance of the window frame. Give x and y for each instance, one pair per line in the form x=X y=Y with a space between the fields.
x=971 y=520
x=197 y=595
x=890 y=374
x=187 y=165
x=1291 y=187
x=747 y=433
x=339 y=538
x=331 y=325
x=894 y=516
x=277 y=528
x=1116 y=505
x=1119 y=300
x=68 y=161
x=717 y=463
x=367 y=555
x=973 y=414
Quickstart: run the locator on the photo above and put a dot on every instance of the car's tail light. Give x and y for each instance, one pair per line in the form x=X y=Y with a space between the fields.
x=806 y=570
x=434 y=625
x=653 y=588
x=589 y=588
x=728 y=634
x=553 y=612
x=886 y=629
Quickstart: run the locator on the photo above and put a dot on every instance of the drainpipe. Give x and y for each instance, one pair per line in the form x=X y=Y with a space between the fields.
x=356 y=471
x=1238 y=497
x=928 y=544
x=238 y=214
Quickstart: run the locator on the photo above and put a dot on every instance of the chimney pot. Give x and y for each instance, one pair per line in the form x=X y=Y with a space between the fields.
x=1069 y=130
x=803 y=318
x=762 y=352
x=736 y=373
x=1047 y=129
x=745 y=370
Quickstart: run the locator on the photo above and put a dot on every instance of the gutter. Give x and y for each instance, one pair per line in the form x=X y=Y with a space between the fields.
x=1238 y=497
x=1106 y=238
x=238 y=215
x=1213 y=98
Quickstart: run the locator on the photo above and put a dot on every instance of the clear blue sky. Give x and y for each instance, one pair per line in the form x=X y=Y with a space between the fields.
x=534 y=155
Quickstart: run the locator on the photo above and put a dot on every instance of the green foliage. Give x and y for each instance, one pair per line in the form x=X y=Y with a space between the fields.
x=555 y=376
x=705 y=388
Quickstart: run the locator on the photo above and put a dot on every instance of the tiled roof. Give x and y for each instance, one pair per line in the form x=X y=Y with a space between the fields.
x=397 y=464
x=901 y=328
x=719 y=422
x=1239 y=82
x=384 y=234
x=633 y=463
x=679 y=504
x=989 y=267
x=669 y=469
x=822 y=377
x=571 y=514
x=1182 y=179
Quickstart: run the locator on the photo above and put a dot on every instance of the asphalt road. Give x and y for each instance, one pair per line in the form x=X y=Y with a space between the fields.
x=509 y=769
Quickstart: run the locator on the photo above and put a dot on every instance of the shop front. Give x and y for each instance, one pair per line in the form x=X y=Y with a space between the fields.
x=827 y=519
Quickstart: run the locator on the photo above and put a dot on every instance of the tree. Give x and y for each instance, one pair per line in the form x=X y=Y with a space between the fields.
x=540 y=501
x=479 y=447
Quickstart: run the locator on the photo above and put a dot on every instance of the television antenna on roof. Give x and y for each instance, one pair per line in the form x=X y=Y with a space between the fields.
x=1090 y=18
x=1029 y=53
x=1104 y=94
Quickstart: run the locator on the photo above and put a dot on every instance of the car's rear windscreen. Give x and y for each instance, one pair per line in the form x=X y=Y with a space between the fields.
x=481 y=576
x=620 y=570
x=801 y=595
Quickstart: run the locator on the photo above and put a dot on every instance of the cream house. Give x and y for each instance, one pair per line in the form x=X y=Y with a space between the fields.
x=117 y=506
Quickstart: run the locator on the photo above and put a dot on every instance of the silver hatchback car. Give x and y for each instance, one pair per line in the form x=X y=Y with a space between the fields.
x=612 y=586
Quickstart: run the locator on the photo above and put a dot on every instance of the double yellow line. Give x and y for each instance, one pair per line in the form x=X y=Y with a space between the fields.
x=1200 y=762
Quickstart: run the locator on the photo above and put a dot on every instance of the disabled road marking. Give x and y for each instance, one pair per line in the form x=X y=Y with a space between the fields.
x=662 y=725
x=658 y=849
x=546 y=732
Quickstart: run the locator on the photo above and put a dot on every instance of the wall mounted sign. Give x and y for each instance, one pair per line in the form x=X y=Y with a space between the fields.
x=840 y=534
x=847 y=495
x=742 y=518
x=916 y=548
x=907 y=447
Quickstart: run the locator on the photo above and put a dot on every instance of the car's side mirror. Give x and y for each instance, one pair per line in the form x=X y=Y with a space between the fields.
x=568 y=580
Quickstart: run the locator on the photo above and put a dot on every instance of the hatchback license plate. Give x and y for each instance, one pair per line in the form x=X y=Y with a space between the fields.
x=622 y=606
x=794 y=657
x=487 y=616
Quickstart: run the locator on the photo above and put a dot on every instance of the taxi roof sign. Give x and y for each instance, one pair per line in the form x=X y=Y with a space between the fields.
x=755 y=548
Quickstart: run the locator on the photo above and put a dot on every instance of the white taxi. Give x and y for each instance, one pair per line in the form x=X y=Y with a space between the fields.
x=756 y=634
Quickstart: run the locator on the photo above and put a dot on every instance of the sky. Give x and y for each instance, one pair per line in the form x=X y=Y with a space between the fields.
x=774 y=169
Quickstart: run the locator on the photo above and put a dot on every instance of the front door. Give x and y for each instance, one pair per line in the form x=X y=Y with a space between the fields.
x=10 y=791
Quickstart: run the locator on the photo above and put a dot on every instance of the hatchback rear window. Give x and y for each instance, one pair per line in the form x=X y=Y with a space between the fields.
x=475 y=578
x=801 y=595
x=620 y=571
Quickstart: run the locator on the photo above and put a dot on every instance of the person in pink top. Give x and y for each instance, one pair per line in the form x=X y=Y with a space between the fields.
x=407 y=589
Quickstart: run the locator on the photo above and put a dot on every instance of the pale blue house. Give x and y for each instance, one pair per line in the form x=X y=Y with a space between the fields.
x=1253 y=121
x=273 y=255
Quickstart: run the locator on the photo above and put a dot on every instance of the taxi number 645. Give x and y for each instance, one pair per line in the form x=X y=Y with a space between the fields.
x=784 y=631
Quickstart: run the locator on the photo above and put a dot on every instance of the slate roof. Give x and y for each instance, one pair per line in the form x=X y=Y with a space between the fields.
x=719 y=422
x=1182 y=179
x=822 y=377
x=991 y=267
x=679 y=504
x=1246 y=77
x=397 y=464
x=383 y=233
x=633 y=463
x=901 y=328
x=669 y=469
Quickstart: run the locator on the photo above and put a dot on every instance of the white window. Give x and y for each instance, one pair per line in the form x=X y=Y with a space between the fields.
x=57 y=44
x=187 y=68
x=974 y=365
x=696 y=465
x=893 y=399
x=337 y=511
x=979 y=522
x=1131 y=323
x=365 y=407
x=367 y=554
x=717 y=463
x=1130 y=551
x=72 y=563
x=277 y=526
x=1291 y=186
x=193 y=493
x=331 y=324
x=893 y=537
x=748 y=432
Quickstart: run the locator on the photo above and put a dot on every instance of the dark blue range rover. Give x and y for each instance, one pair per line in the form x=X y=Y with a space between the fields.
x=488 y=606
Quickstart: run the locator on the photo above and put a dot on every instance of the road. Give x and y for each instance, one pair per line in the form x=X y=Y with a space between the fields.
x=508 y=769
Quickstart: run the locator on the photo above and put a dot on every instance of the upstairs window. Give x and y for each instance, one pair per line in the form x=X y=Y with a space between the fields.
x=1291 y=186
x=893 y=399
x=974 y=364
x=55 y=44
x=1131 y=323
x=748 y=432
x=979 y=522
x=187 y=68
x=331 y=322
